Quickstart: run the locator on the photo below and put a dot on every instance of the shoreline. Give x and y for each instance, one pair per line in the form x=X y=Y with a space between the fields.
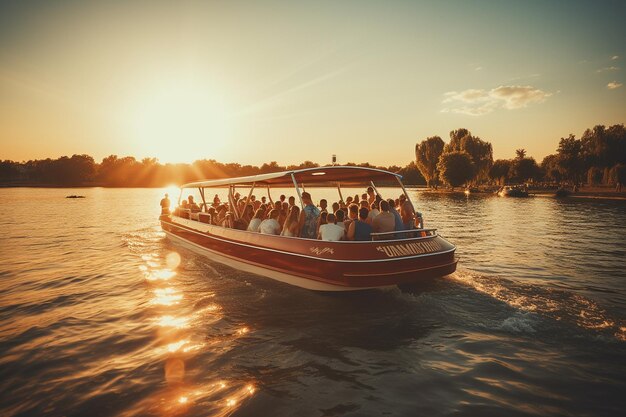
x=596 y=194
x=581 y=194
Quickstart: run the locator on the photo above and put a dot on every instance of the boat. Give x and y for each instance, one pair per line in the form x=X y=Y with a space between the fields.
x=388 y=260
x=513 y=191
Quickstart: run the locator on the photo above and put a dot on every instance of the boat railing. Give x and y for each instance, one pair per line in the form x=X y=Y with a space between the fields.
x=404 y=234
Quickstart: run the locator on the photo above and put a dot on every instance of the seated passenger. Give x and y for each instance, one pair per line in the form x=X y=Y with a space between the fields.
x=213 y=213
x=243 y=222
x=292 y=201
x=353 y=214
x=192 y=205
x=335 y=207
x=331 y=231
x=384 y=222
x=270 y=226
x=340 y=217
x=216 y=201
x=228 y=221
x=308 y=217
x=407 y=213
x=360 y=229
x=392 y=209
x=259 y=215
x=322 y=220
x=290 y=227
x=373 y=212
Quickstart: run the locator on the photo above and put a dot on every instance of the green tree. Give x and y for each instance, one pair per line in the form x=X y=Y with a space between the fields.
x=427 y=155
x=411 y=175
x=456 y=168
x=524 y=169
x=551 y=169
x=481 y=152
x=570 y=158
x=499 y=171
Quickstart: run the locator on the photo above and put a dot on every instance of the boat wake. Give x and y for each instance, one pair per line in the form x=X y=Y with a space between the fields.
x=555 y=303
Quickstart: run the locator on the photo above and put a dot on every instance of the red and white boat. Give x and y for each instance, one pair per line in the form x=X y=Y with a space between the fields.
x=389 y=259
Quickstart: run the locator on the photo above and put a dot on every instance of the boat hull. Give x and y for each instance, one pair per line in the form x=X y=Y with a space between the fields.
x=318 y=265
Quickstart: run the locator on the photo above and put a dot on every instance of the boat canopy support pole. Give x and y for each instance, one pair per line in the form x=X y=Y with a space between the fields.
x=203 y=200
x=376 y=189
x=180 y=196
x=295 y=184
x=408 y=199
x=339 y=189
x=269 y=195
x=231 y=201
x=250 y=193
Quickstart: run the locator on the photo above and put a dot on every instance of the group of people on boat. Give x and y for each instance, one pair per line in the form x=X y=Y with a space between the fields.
x=355 y=219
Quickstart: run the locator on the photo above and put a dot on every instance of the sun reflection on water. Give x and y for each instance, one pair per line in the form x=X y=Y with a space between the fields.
x=167 y=296
x=171 y=321
x=160 y=274
x=176 y=319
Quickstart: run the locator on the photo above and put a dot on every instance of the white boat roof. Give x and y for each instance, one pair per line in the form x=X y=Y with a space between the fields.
x=307 y=176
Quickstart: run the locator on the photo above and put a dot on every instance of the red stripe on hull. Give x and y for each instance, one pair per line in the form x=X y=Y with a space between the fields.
x=343 y=264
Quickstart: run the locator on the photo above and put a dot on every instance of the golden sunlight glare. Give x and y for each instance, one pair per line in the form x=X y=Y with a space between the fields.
x=183 y=113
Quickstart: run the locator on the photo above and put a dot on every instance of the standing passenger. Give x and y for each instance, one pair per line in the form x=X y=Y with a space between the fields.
x=323 y=204
x=165 y=204
x=371 y=197
x=308 y=217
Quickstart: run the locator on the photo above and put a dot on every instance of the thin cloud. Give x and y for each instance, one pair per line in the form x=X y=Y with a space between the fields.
x=475 y=102
x=613 y=85
x=614 y=57
x=478 y=69
x=611 y=68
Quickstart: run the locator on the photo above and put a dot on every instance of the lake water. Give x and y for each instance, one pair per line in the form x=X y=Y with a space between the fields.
x=101 y=315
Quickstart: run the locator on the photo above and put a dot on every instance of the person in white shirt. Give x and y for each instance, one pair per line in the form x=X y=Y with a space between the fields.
x=373 y=212
x=254 y=224
x=270 y=226
x=331 y=231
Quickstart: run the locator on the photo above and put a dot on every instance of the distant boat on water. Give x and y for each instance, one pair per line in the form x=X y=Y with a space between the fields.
x=513 y=191
x=75 y=196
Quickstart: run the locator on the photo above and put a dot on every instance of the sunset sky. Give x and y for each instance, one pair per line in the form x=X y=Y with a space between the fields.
x=257 y=81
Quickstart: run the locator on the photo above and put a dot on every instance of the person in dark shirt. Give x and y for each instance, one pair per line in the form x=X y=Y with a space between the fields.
x=165 y=204
x=359 y=229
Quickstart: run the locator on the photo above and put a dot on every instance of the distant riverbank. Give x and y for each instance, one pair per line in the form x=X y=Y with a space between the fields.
x=608 y=193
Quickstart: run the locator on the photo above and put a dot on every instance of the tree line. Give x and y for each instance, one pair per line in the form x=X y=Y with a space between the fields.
x=598 y=157
x=114 y=171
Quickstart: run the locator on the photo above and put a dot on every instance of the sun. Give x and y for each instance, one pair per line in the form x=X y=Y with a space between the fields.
x=181 y=122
